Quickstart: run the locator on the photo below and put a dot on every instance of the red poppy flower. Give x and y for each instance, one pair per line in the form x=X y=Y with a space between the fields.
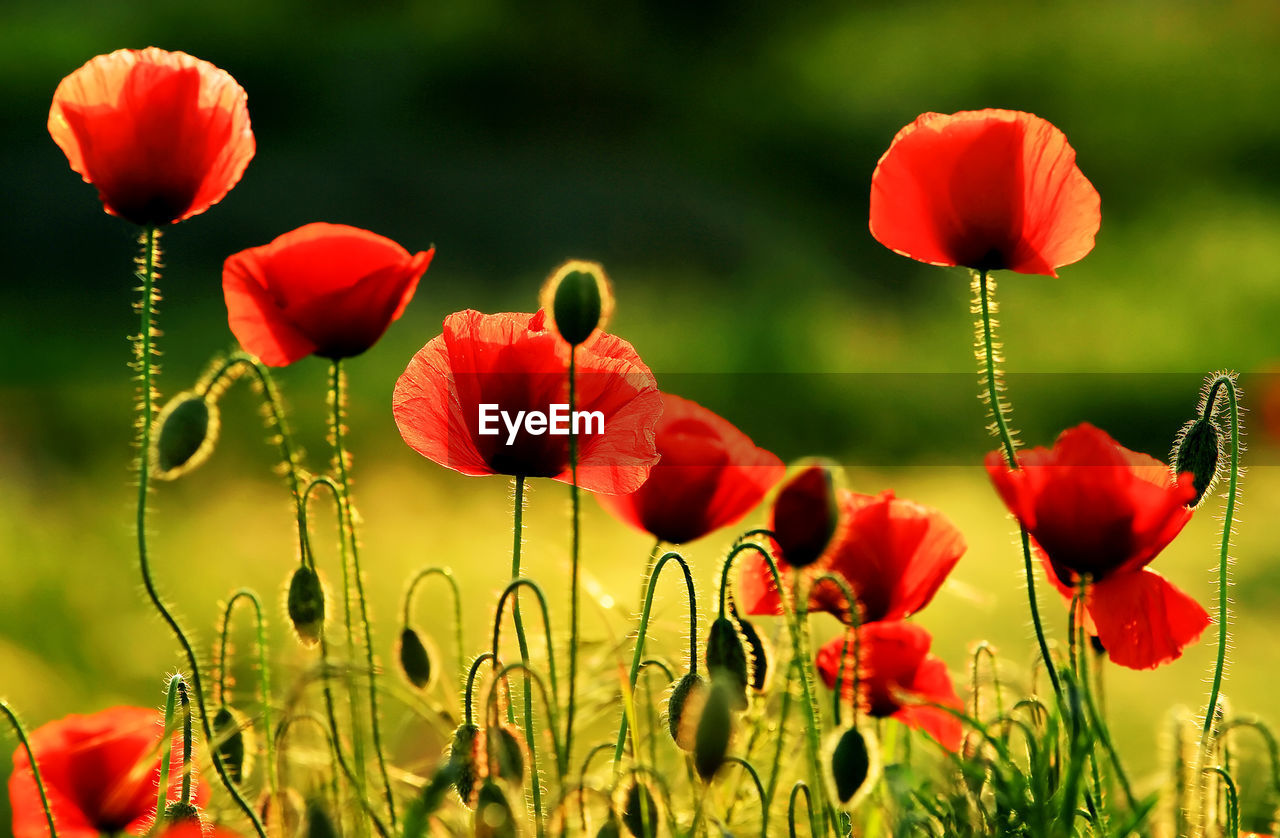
x=322 y=289
x=191 y=829
x=893 y=552
x=897 y=673
x=710 y=475
x=100 y=772
x=987 y=189
x=1097 y=509
x=470 y=400
x=162 y=135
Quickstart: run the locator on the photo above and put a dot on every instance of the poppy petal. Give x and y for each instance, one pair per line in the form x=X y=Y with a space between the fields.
x=1143 y=620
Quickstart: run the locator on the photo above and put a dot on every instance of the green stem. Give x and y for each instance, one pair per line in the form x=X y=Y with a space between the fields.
x=574 y=559
x=21 y=732
x=517 y=526
x=988 y=355
x=776 y=771
x=467 y=712
x=1227 y=383
x=446 y=574
x=791 y=807
x=337 y=380
x=144 y=350
x=166 y=760
x=264 y=674
x=512 y=591
x=184 y=702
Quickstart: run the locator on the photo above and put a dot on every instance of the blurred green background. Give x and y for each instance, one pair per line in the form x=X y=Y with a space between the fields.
x=716 y=158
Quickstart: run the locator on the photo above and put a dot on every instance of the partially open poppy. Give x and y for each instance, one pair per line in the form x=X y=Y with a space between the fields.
x=490 y=396
x=162 y=135
x=322 y=289
x=1098 y=510
x=100 y=773
x=893 y=552
x=989 y=189
x=897 y=677
x=710 y=475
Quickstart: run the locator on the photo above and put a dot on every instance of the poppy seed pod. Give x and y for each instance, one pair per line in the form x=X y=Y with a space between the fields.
x=184 y=435
x=415 y=660
x=306 y=605
x=230 y=732
x=715 y=729
x=579 y=299
x=684 y=708
x=494 y=815
x=760 y=653
x=506 y=754
x=1198 y=450
x=464 y=757
x=853 y=766
x=806 y=514
x=640 y=811
x=727 y=660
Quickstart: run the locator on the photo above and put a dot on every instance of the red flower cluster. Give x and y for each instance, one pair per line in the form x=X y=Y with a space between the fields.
x=322 y=289
x=893 y=552
x=988 y=189
x=898 y=678
x=1098 y=510
x=162 y=135
x=710 y=475
x=516 y=363
x=100 y=772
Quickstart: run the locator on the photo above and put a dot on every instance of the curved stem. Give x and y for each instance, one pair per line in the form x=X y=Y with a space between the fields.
x=988 y=355
x=776 y=771
x=1233 y=800
x=446 y=574
x=855 y=627
x=144 y=351
x=638 y=654
x=755 y=779
x=471 y=680
x=20 y=731
x=986 y=648
x=1227 y=383
x=512 y=590
x=368 y=807
x=536 y=679
x=264 y=673
x=791 y=807
x=574 y=561
x=517 y=542
x=337 y=380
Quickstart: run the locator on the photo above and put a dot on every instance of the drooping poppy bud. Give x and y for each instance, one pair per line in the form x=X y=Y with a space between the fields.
x=415 y=660
x=494 y=816
x=761 y=655
x=852 y=764
x=806 y=514
x=231 y=733
x=306 y=605
x=319 y=824
x=715 y=729
x=506 y=754
x=464 y=757
x=611 y=828
x=1198 y=449
x=184 y=435
x=640 y=811
x=684 y=709
x=727 y=660
x=579 y=299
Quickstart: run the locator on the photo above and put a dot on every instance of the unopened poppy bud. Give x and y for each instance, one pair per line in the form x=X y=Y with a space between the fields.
x=231 y=734
x=415 y=660
x=179 y=812
x=506 y=750
x=319 y=824
x=853 y=764
x=494 y=815
x=306 y=605
x=184 y=435
x=283 y=813
x=715 y=729
x=640 y=811
x=464 y=758
x=761 y=655
x=611 y=828
x=684 y=708
x=578 y=298
x=806 y=513
x=1199 y=450
x=727 y=660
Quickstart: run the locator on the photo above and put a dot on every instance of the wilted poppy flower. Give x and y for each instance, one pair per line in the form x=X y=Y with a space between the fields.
x=100 y=773
x=710 y=475
x=490 y=396
x=893 y=552
x=1097 y=509
x=162 y=135
x=988 y=189
x=897 y=673
x=322 y=289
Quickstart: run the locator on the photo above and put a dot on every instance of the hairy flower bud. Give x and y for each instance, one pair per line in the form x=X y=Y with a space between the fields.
x=761 y=654
x=319 y=824
x=415 y=659
x=506 y=754
x=183 y=436
x=727 y=660
x=715 y=729
x=179 y=812
x=806 y=514
x=464 y=757
x=684 y=708
x=852 y=764
x=1198 y=450
x=640 y=811
x=578 y=298
x=232 y=735
x=306 y=605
